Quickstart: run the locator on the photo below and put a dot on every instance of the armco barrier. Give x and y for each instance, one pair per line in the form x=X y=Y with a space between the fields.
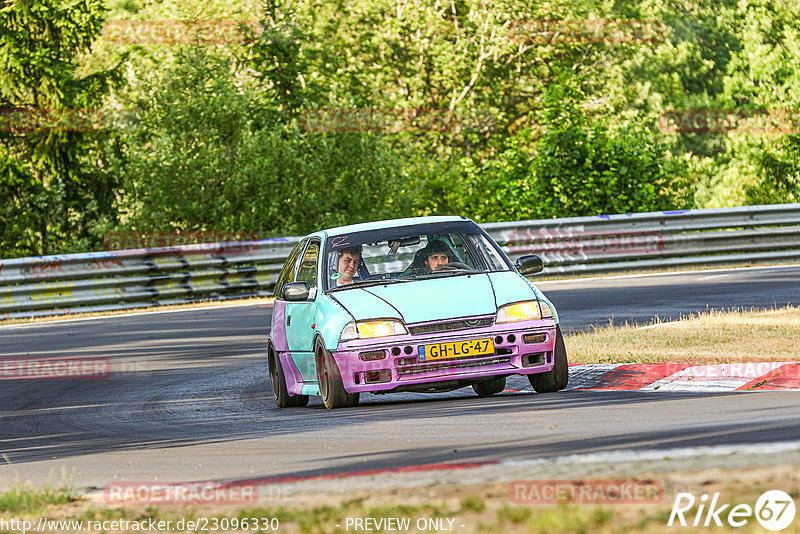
x=99 y=281
x=613 y=243
x=123 y=279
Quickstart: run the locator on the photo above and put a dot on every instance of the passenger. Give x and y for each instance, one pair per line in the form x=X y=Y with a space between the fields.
x=347 y=265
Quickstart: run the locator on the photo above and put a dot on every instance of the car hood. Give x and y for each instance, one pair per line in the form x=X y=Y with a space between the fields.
x=436 y=299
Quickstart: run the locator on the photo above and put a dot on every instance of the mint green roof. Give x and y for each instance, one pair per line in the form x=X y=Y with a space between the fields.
x=392 y=223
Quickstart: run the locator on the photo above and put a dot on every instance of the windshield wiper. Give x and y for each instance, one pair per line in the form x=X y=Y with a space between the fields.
x=440 y=274
x=362 y=283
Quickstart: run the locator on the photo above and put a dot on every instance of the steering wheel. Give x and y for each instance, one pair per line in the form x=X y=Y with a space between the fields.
x=455 y=266
x=380 y=276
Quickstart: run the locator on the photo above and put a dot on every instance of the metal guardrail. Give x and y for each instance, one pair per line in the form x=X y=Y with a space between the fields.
x=613 y=243
x=126 y=279
x=101 y=281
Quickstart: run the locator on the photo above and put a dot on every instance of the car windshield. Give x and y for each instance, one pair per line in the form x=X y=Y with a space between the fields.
x=395 y=255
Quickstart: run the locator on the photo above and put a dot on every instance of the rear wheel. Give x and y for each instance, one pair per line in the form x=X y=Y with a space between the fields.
x=331 y=388
x=282 y=397
x=557 y=378
x=486 y=388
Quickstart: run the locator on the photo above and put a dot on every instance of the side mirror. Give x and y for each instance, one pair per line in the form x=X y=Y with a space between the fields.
x=295 y=292
x=531 y=264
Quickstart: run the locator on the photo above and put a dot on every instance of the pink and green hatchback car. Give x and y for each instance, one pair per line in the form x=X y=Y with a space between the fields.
x=398 y=325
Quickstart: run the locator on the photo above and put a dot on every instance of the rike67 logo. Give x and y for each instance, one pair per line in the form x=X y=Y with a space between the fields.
x=774 y=510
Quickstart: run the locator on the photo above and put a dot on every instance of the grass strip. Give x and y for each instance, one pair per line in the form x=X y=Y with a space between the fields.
x=705 y=338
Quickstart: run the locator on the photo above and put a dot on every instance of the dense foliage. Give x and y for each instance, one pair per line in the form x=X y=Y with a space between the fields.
x=52 y=195
x=283 y=117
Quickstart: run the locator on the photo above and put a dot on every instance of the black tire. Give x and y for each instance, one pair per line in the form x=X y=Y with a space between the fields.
x=331 y=388
x=282 y=397
x=487 y=388
x=557 y=378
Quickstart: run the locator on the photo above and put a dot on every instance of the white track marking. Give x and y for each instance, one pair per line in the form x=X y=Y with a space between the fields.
x=632 y=455
x=713 y=276
x=657 y=325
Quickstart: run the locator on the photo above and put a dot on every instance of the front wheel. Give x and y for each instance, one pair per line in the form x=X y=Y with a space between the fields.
x=282 y=397
x=331 y=388
x=487 y=388
x=557 y=378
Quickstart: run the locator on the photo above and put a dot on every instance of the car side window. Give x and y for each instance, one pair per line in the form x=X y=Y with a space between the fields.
x=308 y=265
x=289 y=268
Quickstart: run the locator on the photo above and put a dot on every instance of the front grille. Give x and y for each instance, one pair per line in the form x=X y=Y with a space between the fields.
x=450 y=326
x=428 y=367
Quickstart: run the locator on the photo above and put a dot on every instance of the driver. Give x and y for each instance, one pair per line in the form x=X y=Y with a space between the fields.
x=436 y=254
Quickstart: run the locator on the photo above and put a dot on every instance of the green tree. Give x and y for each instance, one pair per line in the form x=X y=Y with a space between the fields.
x=53 y=199
x=779 y=168
x=204 y=153
x=578 y=168
x=215 y=137
x=765 y=76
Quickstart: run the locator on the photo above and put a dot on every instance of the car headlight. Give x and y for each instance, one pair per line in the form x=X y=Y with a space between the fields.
x=524 y=311
x=374 y=328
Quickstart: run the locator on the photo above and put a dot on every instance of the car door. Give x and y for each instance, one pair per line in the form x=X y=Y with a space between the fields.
x=300 y=327
x=278 y=330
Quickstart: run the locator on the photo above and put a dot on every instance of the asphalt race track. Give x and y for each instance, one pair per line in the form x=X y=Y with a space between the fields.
x=188 y=398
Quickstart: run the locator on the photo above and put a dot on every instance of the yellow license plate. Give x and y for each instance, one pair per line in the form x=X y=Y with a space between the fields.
x=457 y=349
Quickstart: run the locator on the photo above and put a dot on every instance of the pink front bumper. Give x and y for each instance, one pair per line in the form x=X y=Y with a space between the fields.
x=404 y=370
